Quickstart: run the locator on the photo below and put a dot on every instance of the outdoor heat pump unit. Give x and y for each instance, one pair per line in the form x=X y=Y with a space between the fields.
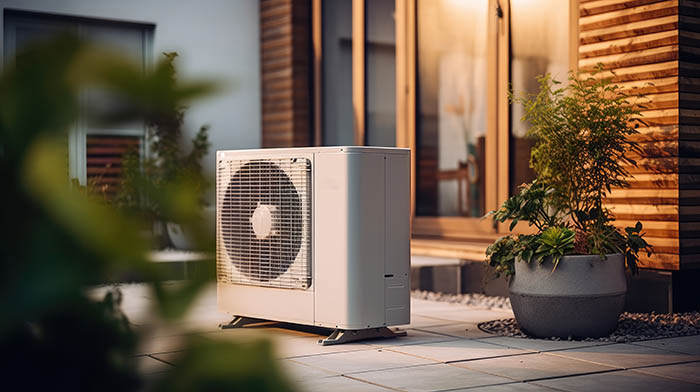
x=316 y=236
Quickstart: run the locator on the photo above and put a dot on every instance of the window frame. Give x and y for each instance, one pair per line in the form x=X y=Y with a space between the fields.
x=78 y=132
x=460 y=228
x=498 y=117
x=463 y=229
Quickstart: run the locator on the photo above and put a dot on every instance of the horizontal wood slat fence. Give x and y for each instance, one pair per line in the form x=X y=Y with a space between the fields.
x=652 y=47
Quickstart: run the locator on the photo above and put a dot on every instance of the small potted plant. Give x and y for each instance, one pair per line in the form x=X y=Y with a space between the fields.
x=567 y=279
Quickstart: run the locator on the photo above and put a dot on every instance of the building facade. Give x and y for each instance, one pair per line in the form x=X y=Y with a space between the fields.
x=219 y=40
x=433 y=75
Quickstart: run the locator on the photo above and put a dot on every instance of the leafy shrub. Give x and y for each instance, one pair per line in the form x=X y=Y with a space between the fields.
x=582 y=150
x=61 y=242
x=166 y=163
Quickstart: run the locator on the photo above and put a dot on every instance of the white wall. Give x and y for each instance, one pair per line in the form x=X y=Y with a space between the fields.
x=215 y=38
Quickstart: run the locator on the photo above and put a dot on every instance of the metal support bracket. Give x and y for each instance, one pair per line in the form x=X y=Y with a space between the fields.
x=240 y=322
x=340 y=336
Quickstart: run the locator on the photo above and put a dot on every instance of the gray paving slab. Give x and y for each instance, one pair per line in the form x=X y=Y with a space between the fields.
x=300 y=371
x=625 y=355
x=688 y=372
x=418 y=305
x=265 y=331
x=458 y=350
x=539 y=344
x=461 y=330
x=430 y=378
x=339 y=383
x=170 y=358
x=413 y=336
x=622 y=381
x=685 y=344
x=533 y=366
x=420 y=321
x=438 y=333
x=511 y=387
x=362 y=361
x=149 y=365
x=458 y=313
x=303 y=347
x=161 y=344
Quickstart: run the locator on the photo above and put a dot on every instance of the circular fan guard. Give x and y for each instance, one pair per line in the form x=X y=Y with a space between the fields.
x=256 y=183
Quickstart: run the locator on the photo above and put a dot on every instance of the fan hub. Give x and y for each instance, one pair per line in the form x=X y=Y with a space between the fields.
x=262 y=221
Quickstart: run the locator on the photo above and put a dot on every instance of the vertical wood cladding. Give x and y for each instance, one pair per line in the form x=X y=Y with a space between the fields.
x=653 y=47
x=285 y=44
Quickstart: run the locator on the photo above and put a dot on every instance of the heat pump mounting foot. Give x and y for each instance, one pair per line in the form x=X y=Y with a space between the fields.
x=340 y=336
x=240 y=322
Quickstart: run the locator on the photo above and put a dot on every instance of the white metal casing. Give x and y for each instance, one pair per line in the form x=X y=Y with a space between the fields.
x=360 y=242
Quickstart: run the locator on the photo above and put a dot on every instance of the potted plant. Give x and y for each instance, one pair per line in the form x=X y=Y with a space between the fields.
x=146 y=179
x=567 y=279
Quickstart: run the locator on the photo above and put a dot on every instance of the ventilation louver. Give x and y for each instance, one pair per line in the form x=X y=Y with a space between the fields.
x=265 y=222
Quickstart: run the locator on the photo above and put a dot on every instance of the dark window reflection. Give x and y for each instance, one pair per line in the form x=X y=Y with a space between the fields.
x=380 y=87
x=337 y=73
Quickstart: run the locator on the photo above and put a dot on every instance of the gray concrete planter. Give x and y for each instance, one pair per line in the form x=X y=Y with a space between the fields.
x=582 y=298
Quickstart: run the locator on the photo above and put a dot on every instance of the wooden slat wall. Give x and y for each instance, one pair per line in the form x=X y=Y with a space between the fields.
x=104 y=161
x=689 y=137
x=285 y=42
x=653 y=46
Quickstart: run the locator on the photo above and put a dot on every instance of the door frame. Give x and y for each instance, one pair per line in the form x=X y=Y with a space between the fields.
x=498 y=112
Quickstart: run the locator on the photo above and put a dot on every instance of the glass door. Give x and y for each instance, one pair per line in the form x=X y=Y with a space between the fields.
x=455 y=128
x=451 y=108
x=539 y=44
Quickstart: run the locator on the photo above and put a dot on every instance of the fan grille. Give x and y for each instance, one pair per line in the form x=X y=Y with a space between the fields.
x=281 y=258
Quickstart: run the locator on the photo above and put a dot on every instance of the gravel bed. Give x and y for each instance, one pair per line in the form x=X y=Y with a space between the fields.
x=474 y=300
x=633 y=327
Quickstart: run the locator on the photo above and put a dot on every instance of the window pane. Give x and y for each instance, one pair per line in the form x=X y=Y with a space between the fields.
x=337 y=73
x=539 y=42
x=451 y=123
x=125 y=40
x=380 y=52
x=95 y=150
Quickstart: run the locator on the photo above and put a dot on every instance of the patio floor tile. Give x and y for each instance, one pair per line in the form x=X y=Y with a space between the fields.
x=539 y=344
x=362 y=361
x=625 y=355
x=300 y=371
x=414 y=336
x=622 y=381
x=161 y=344
x=688 y=372
x=419 y=321
x=149 y=365
x=533 y=366
x=460 y=330
x=458 y=350
x=511 y=387
x=170 y=358
x=444 y=349
x=430 y=378
x=302 y=347
x=474 y=316
x=685 y=344
x=339 y=383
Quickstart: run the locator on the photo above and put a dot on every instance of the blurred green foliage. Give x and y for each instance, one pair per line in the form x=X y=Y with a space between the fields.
x=58 y=241
x=144 y=178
